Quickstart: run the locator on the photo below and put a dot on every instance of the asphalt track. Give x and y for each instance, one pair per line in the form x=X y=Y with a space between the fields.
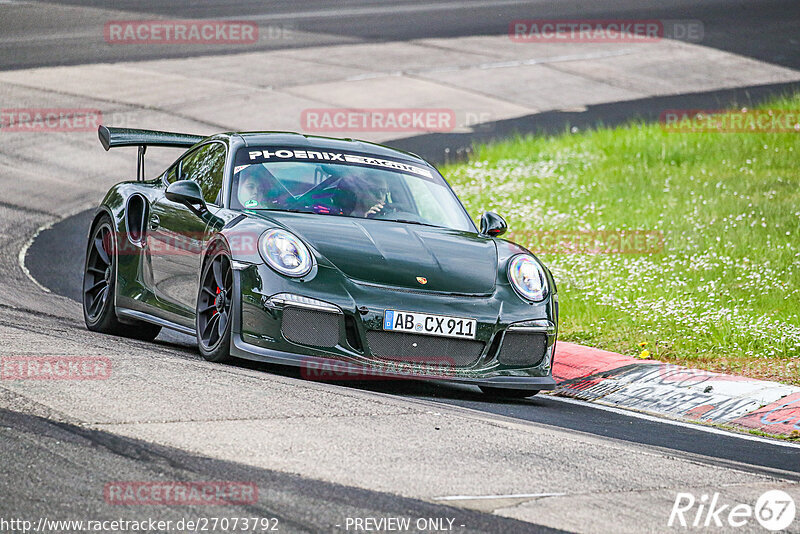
x=59 y=453
x=66 y=240
x=63 y=33
x=298 y=504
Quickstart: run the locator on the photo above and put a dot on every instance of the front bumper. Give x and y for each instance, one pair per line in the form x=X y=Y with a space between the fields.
x=351 y=352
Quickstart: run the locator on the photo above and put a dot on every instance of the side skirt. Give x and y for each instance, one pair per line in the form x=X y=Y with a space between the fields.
x=146 y=317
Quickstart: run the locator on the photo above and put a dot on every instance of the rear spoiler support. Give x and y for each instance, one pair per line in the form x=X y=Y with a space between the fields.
x=140 y=163
x=117 y=137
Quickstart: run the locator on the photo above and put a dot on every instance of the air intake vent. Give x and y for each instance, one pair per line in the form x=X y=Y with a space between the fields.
x=426 y=350
x=523 y=349
x=311 y=327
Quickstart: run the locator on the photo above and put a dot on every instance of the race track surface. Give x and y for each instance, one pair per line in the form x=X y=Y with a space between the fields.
x=319 y=452
x=62 y=33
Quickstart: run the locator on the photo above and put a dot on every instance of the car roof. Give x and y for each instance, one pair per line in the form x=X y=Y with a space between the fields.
x=325 y=143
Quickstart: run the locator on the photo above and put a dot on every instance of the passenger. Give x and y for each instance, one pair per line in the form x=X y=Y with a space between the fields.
x=258 y=188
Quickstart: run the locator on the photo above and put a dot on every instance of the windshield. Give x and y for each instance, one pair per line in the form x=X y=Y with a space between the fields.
x=349 y=185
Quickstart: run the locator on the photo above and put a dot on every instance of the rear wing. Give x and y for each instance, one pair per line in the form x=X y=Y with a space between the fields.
x=117 y=137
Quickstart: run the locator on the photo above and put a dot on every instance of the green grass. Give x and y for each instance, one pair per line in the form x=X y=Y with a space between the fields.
x=723 y=294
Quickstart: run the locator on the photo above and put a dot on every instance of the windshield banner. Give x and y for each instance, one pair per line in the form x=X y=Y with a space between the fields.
x=292 y=154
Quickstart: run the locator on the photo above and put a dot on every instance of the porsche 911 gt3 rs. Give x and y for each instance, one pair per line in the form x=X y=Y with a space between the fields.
x=304 y=251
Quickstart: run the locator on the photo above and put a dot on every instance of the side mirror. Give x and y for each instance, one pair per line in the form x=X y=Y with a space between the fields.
x=492 y=224
x=188 y=193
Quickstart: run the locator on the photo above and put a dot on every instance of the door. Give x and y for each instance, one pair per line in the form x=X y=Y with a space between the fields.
x=177 y=234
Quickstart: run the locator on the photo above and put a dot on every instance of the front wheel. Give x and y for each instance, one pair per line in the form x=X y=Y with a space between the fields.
x=99 y=280
x=214 y=305
x=503 y=393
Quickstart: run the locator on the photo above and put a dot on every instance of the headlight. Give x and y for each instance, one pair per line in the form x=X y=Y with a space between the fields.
x=527 y=277
x=285 y=253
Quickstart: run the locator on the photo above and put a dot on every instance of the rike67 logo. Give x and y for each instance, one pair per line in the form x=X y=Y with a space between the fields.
x=774 y=510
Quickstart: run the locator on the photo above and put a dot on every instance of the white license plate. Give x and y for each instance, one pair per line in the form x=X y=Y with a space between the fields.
x=432 y=325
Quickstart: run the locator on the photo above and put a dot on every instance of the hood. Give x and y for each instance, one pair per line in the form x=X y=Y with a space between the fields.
x=395 y=254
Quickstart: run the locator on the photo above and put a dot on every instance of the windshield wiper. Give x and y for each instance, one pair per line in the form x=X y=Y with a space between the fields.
x=290 y=210
x=404 y=221
x=411 y=222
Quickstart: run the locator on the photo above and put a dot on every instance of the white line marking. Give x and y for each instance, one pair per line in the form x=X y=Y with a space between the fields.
x=510 y=496
x=61 y=36
x=24 y=251
x=555 y=59
x=666 y=421
x=381 y=10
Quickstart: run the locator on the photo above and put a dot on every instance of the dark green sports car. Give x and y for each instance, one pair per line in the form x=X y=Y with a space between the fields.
x=348 y=259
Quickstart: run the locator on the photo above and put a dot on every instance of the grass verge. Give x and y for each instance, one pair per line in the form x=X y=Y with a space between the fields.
x=722 y=294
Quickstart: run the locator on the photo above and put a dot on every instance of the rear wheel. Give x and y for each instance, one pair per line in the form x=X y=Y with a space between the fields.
x=214 y=305
x=99 y=279
x=503 y=393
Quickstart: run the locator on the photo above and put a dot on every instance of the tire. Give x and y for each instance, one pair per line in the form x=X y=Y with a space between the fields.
x=503 y=393
x=214 y=308
x=99 y=287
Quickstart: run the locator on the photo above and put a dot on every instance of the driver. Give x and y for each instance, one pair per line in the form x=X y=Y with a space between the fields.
x=257 y=187
x=372 y=193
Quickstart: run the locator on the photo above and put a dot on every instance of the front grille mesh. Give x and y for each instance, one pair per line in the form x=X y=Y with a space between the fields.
x=425 y=350
x=522 y=348
x=311 y=327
